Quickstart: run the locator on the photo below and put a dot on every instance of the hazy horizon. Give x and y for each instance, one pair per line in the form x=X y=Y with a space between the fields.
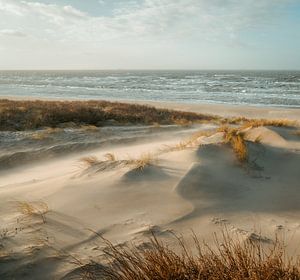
x=149 y=35
x=152 y=69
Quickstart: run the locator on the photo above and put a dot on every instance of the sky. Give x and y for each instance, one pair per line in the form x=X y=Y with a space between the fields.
x=150 y=34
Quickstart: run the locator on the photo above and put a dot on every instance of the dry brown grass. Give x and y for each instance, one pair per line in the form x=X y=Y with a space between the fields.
x=264 y=122
x=89 y=161
x=231 y=260
x=91 y=128
x=145 y=159
x=111 y=162
x=22 y=115
x=234 y=137
x=110 y=157
x=234 y=120
x=35 y=208
x=44 y=134
x=182 y=145
x=183 y=122
x=39 y=136
x=192 y=141
x=259 y=122
x=32 y=114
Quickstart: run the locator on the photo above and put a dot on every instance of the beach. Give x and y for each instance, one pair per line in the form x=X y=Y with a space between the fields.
x=149 y=140
x=145 y=179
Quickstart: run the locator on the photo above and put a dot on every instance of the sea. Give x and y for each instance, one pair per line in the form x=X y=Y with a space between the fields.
x=257 y=88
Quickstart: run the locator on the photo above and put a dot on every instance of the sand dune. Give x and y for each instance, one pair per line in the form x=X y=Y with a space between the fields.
x=51 y=209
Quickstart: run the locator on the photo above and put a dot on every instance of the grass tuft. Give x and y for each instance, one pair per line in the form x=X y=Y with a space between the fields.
x=235 y=138
x=183 y=122
x=33 y=208
x=182 y=145
x=146 y=159
x=91 y=128
x=44 y=134
x=228 y=259
x=89 y=161
x=264 y=122
x=110 y=157
x=111 y=162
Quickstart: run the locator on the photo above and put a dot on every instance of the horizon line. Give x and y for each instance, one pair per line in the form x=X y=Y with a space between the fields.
x=149 y=69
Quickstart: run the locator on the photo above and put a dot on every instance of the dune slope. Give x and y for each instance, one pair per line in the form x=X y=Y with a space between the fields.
x=52 y=211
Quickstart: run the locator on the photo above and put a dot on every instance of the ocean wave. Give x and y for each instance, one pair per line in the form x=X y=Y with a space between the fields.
x=158 y=85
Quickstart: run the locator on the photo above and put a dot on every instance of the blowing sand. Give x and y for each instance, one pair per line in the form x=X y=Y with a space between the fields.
x=51 y=210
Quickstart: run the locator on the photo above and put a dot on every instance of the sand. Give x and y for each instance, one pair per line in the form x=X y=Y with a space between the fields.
x=51 y=210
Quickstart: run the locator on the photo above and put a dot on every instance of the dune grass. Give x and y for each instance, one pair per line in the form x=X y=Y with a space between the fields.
x=22 y=115
x=265 y=122
x=89 y=128
x=89 y=115
x=229 y=258
x=190 y=142
x=234 y=137
x=140 y=163
x=246 y=122
x=31 y=209
x=89 y=161
x=110 y=157
x=44 y=134
x=183 y=122
x=39 y=136
x=111 y=162
x=182 y=145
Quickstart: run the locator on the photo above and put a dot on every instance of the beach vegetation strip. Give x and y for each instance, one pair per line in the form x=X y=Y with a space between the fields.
x=33 y=114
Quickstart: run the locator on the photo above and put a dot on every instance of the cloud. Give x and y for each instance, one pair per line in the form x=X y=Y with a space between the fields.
x=52 y=12
x=149 y=19
x=12 y=32
x=135 y=26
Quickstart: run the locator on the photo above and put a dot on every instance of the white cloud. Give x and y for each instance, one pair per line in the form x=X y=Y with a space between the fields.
x=12 y=32
x=205 y=19
x=11 y=7
x=50 y=12
x=150 y=24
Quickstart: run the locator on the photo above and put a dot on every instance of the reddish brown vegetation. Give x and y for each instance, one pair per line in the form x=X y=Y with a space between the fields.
x=21 y=115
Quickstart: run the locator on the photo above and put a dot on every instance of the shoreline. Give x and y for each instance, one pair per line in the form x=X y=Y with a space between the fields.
x=224 y=110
